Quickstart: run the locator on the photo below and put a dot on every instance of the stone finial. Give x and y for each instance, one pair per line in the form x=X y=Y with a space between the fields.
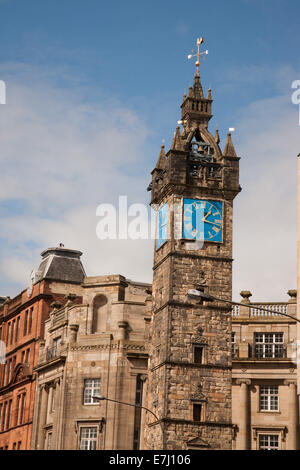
x=209 y=94
x=293 y=296
x=56 y=305
x=70 y=298
x=229 y=150
x=191 y=92
x=246 y=294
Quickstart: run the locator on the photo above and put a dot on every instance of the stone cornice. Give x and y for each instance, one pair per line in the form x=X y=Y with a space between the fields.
x=186 y=254
x=191 y=365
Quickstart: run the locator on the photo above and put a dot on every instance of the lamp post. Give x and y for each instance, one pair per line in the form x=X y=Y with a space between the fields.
x=200 y=295
x=101 y=398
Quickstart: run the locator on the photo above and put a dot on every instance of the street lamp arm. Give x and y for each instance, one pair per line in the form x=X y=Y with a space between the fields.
x=125 y=403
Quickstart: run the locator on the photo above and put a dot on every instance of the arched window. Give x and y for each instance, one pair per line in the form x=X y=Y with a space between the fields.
x=99 y=314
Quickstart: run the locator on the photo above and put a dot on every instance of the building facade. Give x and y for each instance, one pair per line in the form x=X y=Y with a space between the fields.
x=264 y=375
x=96 y=348
x=21 y=328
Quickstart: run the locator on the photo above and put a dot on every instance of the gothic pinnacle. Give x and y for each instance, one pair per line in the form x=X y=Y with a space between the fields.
x=229 y=150
x=161 y=162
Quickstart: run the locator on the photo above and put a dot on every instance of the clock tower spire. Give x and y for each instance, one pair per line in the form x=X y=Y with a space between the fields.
x=193 y=186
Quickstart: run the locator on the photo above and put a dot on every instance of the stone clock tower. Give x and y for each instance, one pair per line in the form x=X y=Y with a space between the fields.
x=193 y=187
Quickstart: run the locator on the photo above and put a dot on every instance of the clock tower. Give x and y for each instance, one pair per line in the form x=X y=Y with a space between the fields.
x=193 y=187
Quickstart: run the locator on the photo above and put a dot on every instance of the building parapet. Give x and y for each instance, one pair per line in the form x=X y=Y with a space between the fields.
x=252 y=310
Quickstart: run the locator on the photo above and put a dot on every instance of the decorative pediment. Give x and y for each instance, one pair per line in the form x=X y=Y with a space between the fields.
x=21 y=372
x=199 y=340
x=198 y=337
x=197 y=442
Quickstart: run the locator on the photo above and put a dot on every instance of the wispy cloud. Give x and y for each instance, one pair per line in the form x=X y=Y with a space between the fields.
x=62 y=156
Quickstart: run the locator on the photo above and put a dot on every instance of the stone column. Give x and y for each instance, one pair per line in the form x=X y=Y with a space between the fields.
x=244 y=425
x=73 y=330
x=56 y=417
x=293 y=415
x=50 y=398
x=43 y=416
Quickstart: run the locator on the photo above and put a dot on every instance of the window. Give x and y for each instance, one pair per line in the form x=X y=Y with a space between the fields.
x=137 y=413
x=8 y=415
x=13 y=365
x=3 y=420
x=12 y=331
x=8 y=371
x=25 y=322
x=91 y=387
x=197 y=412
x=53 y=400
x=30 y=320
x=56 y=343
x=17 y=329
x=49 y=441
x=233 y=344
x=19 y=445
x=22 y=408
x=18 y=410
x=88 y=438
x=8 y=332
x=27 y=355
x=268 y=442
x=198 y=354
x=268 y=345
x=268 y=398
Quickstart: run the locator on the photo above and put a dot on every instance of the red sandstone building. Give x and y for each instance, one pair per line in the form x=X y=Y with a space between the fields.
x=21 y=328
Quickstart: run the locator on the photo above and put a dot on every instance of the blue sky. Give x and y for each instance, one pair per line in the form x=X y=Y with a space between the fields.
x=92 y=89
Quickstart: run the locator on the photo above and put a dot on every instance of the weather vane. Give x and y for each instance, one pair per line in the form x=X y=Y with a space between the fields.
x=198 y=54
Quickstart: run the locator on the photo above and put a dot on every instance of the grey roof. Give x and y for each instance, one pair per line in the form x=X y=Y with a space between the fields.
x=61 y=264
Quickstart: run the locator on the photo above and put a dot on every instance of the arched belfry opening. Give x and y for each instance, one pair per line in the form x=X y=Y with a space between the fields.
x=100 y=309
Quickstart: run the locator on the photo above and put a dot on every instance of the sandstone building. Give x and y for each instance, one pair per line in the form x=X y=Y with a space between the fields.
x=21 y=327
x=214 y=377
x=264 y=375
x=95 y=347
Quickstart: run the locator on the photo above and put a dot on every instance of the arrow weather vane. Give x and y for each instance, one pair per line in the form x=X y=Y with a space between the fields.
x=198 y=54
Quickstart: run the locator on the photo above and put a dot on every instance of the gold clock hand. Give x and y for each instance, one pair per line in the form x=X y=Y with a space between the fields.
x=204 y=218
x=213 y=223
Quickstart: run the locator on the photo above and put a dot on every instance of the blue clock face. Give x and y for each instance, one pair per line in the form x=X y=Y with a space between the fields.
x=203 y=220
